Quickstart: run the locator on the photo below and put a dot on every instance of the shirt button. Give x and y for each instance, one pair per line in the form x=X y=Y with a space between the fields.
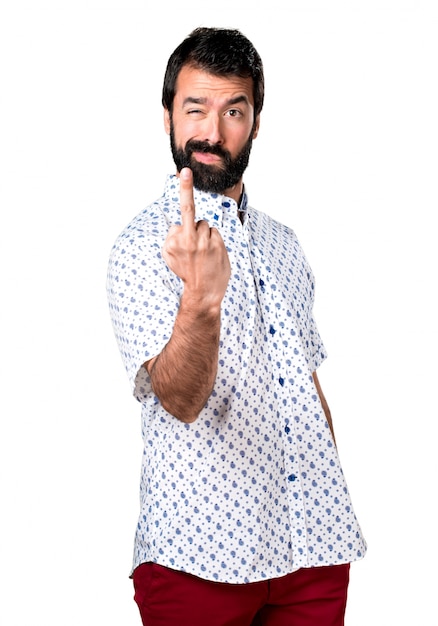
x=272 y=330
x=287 y=430
x=281 y=381
x=291 y=478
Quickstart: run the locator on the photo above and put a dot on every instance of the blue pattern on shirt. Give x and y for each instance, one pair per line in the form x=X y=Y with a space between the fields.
x=253 y=489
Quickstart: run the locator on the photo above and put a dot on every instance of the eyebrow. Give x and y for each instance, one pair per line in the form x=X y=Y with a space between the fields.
x=231 y=101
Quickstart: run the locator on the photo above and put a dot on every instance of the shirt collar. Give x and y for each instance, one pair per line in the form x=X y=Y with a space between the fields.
x=209 y=206
x=243 y=204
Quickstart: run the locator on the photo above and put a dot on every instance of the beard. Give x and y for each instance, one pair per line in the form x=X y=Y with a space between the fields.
x=211 y=178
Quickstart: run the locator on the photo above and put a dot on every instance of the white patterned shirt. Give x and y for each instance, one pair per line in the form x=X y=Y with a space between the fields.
x=253 y=489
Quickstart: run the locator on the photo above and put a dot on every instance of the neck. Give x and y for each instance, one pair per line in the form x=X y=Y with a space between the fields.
x=235 y=191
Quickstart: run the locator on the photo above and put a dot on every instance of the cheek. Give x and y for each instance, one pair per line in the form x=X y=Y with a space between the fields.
x=242 y=138
x=186 y=131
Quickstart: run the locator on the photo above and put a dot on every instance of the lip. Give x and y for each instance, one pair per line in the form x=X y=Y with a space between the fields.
x=207 y=157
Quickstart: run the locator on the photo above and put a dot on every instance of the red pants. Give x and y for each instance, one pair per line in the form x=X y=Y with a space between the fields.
x=307 y=597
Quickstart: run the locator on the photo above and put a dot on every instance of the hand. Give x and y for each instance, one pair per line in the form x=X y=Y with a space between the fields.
x=196 y=253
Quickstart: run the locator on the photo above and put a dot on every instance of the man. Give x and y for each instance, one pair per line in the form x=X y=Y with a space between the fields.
x=245 y=515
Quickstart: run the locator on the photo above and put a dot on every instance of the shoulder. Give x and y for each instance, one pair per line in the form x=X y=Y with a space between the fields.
x=263 y=224
x=280 y=244
x=148 y=222
x=149 y=227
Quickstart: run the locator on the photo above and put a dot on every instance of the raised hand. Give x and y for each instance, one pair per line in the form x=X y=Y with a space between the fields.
x=184 y=372
x=196 y=253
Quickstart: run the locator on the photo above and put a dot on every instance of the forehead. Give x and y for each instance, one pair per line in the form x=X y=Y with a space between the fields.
x=193 y=82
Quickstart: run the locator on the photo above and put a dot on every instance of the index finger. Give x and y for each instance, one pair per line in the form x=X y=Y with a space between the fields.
x=187 y=203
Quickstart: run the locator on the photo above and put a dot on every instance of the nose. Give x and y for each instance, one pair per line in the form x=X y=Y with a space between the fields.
x=212 y=130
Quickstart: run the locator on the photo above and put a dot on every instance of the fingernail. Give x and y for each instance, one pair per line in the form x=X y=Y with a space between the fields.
x=185 y=173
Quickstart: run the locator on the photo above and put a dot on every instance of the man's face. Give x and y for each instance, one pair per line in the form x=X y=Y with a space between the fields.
x=212 y=127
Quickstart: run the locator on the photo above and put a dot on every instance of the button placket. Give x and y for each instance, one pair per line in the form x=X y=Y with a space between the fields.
x=296 y=497
x=281 y=376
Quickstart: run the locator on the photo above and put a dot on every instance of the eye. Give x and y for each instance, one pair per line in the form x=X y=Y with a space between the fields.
x=194 y=112
x=234 y=113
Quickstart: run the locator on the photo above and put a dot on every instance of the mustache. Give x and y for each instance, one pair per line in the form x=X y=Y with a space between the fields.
x=205 y=147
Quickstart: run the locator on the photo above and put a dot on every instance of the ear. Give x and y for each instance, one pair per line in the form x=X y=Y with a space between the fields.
x=167 y=121
x=256 y=126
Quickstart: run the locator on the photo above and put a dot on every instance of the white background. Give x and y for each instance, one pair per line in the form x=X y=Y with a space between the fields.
x=350 y=124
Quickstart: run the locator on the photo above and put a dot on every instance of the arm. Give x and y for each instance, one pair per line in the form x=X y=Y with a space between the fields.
x=324 y=403
x=183 y=374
